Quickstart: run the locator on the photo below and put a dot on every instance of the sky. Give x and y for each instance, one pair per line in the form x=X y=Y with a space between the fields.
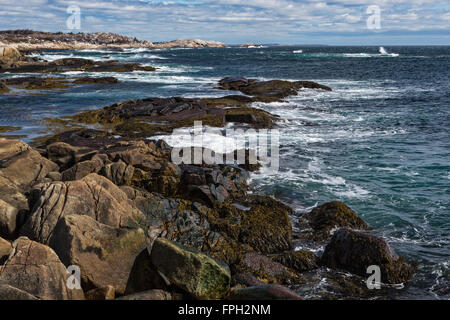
x=336 y=22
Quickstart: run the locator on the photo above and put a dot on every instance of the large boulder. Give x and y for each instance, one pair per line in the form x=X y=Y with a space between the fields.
x=355 y=251
x=201 y=276
x=94 y=196
x=104 y=254
x=35 y=268
x=330 y=216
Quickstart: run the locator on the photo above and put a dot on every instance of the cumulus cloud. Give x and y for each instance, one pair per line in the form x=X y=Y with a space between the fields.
x=230 y=20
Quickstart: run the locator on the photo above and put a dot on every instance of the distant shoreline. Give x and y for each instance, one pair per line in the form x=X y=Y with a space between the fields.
x=27 y=40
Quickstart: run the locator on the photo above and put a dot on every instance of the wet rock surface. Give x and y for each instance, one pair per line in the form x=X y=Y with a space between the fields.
x=356 y=251
x=273 y=89
x=73 y=64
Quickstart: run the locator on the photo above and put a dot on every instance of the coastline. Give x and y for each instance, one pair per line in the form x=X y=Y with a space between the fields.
x=27 y=40
x=271 y=251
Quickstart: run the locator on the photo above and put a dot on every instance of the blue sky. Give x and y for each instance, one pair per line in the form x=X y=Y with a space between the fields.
x=337 y=22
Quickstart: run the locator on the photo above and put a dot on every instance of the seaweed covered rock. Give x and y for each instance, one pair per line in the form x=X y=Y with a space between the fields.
x=355 y=251
x=266 y=270
x=278 y=89
x=94 y=196
x=104 y=254
x=299 y=261
x=73 y=64
x=36 y=269
x=143 y=118
x=258 y=221
x=201 y=276
x=329 y=216
x=100 y=80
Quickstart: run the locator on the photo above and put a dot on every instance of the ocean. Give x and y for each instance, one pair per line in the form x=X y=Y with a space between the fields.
x=380 y=141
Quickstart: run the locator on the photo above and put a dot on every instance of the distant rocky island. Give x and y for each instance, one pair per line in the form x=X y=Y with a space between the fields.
x=35 y=40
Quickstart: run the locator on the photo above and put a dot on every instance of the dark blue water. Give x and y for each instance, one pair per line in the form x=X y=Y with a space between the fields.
x=380 y=141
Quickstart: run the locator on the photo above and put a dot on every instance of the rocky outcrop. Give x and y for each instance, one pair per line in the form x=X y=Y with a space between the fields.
x=21 y=39
x=191 y=270
x=74 y=64
x=188 y=43
x=267 y=90
x=140 y=226
x=50 y=83
x=93 y=196
x=264 y=224
x=356 y=251
x=147 y=117
x=9 y=56
x=104 y=254
x=36 y=269
x=330 y=216
x=48 y=40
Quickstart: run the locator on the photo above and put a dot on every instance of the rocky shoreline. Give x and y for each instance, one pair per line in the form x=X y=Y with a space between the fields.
x=113 y=202
x=29 y=40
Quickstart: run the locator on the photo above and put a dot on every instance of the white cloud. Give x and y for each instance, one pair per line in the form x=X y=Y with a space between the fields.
x=226 y=19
